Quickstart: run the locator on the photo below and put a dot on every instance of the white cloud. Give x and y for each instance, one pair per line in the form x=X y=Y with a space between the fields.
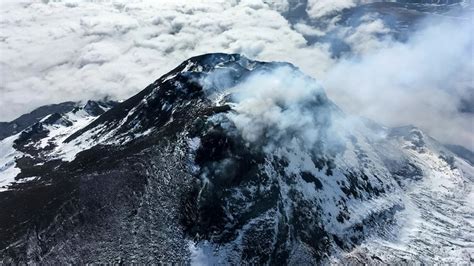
x=364 y=38
x=54 y=51
x=320 y=8
x=308 y=30
x=63 y=50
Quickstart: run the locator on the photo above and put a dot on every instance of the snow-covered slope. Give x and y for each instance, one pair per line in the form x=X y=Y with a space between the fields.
x=43 y=141
x=436 y=224
x=228 y=160
x=8 y=169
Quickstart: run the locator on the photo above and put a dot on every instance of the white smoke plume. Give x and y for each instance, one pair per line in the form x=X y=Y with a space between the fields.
x=276 y=101
x=422 y=81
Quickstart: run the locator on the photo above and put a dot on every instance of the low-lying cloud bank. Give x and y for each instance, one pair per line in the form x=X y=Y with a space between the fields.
x=53 y=51
x=68 y=50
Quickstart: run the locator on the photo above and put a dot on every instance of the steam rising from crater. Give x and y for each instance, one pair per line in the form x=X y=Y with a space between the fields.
x=278 y=106
x=269 y=104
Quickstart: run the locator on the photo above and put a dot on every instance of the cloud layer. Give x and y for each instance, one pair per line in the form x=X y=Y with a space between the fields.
x=65 y=50
x=53 y=51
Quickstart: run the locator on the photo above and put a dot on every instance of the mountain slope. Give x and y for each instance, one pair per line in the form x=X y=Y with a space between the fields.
x=9 y=128
x=229 y=160
x=39 y=142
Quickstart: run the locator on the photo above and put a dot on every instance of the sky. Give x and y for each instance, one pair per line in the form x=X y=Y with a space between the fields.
x=55 y=51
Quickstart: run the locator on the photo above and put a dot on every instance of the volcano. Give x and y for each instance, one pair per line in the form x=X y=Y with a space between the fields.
x=226 y=160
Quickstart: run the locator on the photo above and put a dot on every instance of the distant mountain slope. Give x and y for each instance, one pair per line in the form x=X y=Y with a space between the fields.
x=26 y=120
x=462 y=152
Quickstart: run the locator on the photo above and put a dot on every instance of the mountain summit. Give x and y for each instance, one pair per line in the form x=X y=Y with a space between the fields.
x=229 y=160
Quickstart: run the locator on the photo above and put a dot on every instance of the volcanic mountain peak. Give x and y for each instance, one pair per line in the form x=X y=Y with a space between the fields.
x=198 y=80
x=231 y=161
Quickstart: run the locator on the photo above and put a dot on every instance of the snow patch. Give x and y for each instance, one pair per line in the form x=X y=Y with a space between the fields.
x=8 y=156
